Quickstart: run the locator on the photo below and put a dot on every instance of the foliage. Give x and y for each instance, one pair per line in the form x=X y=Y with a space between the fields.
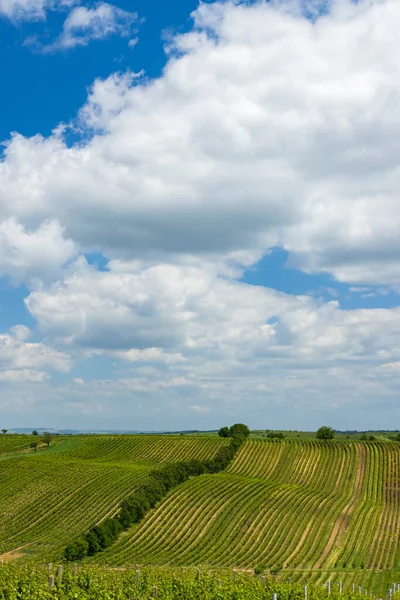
x=46 y=438
x=275 y=435
x=34 y=432
x=57 y=495
x=224 y=432
x=238 y=430
x=325 y=433
x=92 y=583
x=133 y=508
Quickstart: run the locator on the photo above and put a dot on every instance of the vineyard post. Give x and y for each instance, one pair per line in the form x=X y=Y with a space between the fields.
x=75 y=569
x=155 y=591
x=340 y=587
x=51 y=581
x=329 y=588
x=263 y=579
x=50 y=567
x=274 y=597
x=198 y=574
x=218 y=582
x=234 y=575
x=352 y=587
x=59 y=572
x=137 y=575
x=305 y=592
x=359 y=590
x=398 y=587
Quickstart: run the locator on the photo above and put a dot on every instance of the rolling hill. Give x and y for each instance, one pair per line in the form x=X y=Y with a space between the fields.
x=311 y=510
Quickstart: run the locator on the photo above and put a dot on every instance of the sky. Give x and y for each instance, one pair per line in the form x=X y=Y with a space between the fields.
x=199 y=214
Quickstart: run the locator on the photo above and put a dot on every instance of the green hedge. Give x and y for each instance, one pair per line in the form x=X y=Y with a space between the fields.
x=145 y=497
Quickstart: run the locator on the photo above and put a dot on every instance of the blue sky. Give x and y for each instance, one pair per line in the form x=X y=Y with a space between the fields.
x=199 y=214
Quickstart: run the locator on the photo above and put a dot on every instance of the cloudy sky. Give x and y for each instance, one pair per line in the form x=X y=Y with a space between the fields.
x=200 y=214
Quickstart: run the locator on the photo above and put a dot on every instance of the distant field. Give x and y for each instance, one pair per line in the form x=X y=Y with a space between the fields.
x=12 y=443
x=50 y=496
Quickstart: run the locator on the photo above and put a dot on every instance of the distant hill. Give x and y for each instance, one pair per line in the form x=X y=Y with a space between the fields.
x=40 y=430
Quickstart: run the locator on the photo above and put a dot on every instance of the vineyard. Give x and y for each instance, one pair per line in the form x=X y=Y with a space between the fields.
x=308 y=510
x=49 y=497
x=316 y=510
x=91 y=583
x=14 y=443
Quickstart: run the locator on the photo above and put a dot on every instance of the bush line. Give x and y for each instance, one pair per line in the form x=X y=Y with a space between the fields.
x=133 y=508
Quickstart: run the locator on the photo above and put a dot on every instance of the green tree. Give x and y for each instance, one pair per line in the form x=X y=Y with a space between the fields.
x=239 y=430
x=34 y=432
x=224 y=432
x=4 y=430
x=325 y=433
x=46 y=438
x=33 y=445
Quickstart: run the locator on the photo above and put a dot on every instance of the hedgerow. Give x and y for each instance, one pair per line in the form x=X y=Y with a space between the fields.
x=133 y=508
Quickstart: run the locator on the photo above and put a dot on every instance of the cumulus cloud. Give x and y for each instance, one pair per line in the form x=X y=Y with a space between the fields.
x=178 y=314
x=33 y=255
x=24 y=361
x=84 y=25
x=264 y=129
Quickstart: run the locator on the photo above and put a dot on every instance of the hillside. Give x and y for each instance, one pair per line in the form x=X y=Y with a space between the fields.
x=50 y=496
x=327 y=507
x=316 y=510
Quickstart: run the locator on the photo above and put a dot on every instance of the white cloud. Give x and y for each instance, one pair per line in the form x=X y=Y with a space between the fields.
x=24 y=10
x=181 y=314
x=22 y=361
x=33 y=255
x=84 y=25
x=265 y=131
x=23 y=375
x=31 y=10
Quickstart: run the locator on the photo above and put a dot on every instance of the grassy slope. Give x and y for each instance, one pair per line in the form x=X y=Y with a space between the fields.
x=50 y=496
x=332 y=508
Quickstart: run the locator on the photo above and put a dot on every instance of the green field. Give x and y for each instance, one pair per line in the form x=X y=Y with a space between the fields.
x=313 y=511
x=52 y=495
x=40 y=582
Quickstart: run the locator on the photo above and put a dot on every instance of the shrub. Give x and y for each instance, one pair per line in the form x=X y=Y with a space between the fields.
x=325 y=433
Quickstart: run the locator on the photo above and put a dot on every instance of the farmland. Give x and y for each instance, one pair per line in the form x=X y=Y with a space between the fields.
x=307 y=509
x=314 y=509
x=92 y=583
x=49 y=496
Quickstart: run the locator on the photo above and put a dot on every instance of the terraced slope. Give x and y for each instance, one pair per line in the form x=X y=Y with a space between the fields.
x=49 y=497
x=320 y=506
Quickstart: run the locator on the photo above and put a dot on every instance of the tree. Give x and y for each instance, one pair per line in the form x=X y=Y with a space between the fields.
x=46 y=438
x=325 y=433
x=224 y=432
x=239 y=430
x=4 y=430
x=34 y=432
x=33 y=445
